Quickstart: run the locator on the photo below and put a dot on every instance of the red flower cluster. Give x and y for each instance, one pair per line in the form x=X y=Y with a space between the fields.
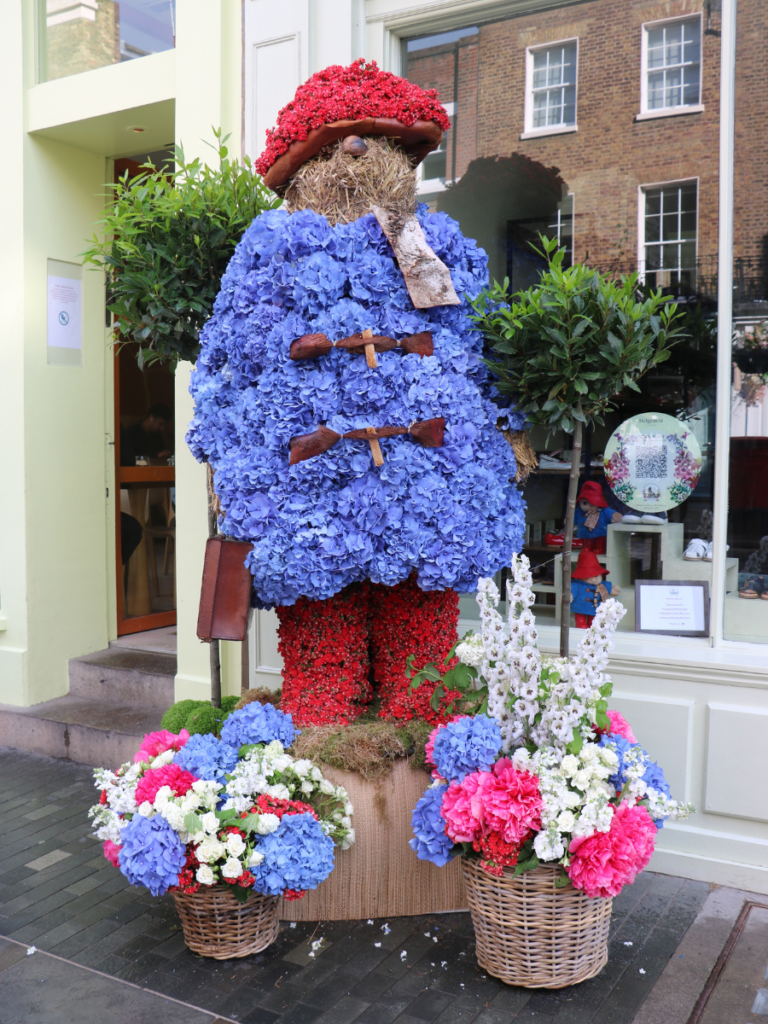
x=407 y=620
x=294 y=894
x=272 y=805
x=351 y=93
x=246 y=880
x=325 y=649
x=187 y=882
x=324 y=645
x=497 y=853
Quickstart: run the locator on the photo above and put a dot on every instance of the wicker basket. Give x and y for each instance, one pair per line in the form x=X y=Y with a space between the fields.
x=216 y=925
x=531 y=933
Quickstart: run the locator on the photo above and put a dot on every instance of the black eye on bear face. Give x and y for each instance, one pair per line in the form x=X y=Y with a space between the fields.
x=354 y=145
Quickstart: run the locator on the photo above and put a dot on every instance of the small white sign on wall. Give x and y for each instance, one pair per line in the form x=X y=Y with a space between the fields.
x=65 y=313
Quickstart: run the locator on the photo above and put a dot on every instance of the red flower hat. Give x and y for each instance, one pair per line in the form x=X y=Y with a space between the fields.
x=356 y=100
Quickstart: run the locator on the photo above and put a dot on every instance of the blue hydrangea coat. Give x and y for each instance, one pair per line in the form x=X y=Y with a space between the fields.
x=452 y=514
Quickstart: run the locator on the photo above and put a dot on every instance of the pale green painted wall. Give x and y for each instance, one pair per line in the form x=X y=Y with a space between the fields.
x=56 y=522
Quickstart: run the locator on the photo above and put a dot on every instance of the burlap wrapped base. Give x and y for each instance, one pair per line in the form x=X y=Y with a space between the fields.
x=380 y=876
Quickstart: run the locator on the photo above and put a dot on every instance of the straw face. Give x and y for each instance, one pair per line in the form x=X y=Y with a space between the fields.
x=344 y=187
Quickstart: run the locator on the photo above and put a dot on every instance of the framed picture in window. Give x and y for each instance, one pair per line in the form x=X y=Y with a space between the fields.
x=672 y=607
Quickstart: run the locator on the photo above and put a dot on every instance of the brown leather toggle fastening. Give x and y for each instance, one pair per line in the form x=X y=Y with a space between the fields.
x=311 y=346
x=428 y=433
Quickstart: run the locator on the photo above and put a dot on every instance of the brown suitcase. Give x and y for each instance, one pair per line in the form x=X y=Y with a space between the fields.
x=225 y=598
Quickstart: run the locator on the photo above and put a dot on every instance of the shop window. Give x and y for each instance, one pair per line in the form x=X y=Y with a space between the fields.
x=671 y=78
x=668 y=236
x=79 y=36
x=508 y=81
x=551 y=88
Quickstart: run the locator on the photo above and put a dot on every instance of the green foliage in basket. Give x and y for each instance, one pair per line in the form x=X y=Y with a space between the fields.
x=455 y=678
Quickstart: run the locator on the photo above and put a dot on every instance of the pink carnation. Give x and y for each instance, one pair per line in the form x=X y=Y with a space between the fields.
x=621 y=727
x=503 y=800
x=171 y=775
x=155 y=743
x=603 y=863
x=511 y=802
x=463 y=807
x=111 y=850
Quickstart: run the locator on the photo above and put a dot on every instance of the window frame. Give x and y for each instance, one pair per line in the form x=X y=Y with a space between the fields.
x=642 y=191
x=647 y=114
x=529 y=132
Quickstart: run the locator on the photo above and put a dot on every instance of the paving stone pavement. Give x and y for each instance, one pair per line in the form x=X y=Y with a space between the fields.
x=59 y=894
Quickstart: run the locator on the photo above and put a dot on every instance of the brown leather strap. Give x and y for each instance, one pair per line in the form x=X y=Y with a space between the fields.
x=311 y=346
x=429 y=434
x=225 y=597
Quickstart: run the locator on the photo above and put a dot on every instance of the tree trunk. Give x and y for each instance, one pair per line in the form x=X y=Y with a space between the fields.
x=570 y=509
x=215 y=654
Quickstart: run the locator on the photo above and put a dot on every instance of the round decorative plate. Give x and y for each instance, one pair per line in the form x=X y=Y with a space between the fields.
x=652 y=462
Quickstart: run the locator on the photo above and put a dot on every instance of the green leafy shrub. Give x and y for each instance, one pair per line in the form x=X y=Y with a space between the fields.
x=167 y=237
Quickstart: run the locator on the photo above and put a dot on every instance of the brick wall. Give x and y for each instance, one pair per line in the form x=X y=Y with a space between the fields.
x=80 y=44
x=612 y=154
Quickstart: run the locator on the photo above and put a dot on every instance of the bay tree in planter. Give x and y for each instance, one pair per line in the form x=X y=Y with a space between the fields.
x=166 y=237
x=565 y=348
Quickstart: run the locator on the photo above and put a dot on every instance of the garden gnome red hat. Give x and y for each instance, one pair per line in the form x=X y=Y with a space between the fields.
x=356 y=100
x=593 y=492
x=588 y=565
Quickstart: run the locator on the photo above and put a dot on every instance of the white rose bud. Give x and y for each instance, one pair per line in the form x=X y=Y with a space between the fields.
x=235 y=844
x=232 y=869
x=326 y=787
x=205 y=875
x=346 y=821
x=566 y=822
x=210 y=822
x=348 y=809
x=146 y=810
x=255 y=859
x=307 y=787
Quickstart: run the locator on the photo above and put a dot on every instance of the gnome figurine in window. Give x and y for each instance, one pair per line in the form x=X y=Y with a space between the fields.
x=341 y=399
x=592 y=517
x=588 y=588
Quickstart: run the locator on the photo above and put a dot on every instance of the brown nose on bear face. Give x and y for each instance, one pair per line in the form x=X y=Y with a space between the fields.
x=354 y=144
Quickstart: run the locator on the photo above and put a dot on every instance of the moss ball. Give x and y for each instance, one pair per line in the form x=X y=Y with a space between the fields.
x=205 y=719
x=177 y=714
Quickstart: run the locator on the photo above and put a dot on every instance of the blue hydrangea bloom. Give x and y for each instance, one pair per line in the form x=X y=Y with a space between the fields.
x=465 y=746
x=207 y=757
x=654 y=779
x=430 y=841
x=297 y=855
x=450 y=514
x=257 y=723
x=152 y=854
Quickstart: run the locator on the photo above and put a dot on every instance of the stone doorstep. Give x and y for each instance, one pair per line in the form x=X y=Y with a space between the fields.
x=85 y=731
x=124 y=677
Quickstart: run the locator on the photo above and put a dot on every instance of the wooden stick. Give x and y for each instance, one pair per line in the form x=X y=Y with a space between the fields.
x=370 y=358
x=378 y=458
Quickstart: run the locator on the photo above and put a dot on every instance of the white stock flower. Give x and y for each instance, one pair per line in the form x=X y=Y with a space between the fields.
x=205 y=875
x=232 y=868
